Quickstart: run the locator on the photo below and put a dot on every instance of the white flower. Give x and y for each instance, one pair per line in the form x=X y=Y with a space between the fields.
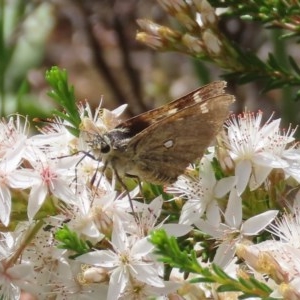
x=87 y=171
x=256 y=149
x=287 y=228
x=15 y=274
x=13 y=144
x=101 y=121
x=55 y=139
x=128 y=259
x=138 y=290
x=200 y=193
x=280 y=261
x=98 y=212
x=67 y=283
x=148 y=217
x=13 y=279
x=48 y=176
x=8 y=169
x=234 y=229
x=13 y=135
x=292 y=156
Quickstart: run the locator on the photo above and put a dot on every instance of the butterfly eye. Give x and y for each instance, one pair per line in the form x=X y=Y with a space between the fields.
x=105 y=148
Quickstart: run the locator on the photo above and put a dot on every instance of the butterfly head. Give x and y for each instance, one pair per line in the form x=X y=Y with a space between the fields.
x=100 y=145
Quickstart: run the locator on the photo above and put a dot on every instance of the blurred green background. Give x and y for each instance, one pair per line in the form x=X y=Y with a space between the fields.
x=95 y=42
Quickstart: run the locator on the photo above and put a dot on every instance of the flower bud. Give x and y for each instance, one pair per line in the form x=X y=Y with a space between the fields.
x=93 y=275
x=192 y=43
x=208 y=14
x=212 y=43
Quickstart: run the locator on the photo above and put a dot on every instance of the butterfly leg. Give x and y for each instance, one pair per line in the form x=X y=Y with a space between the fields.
x=93 y=179
x=119 y=179
x=86 y=154
x=95 y=174
x=139 y=183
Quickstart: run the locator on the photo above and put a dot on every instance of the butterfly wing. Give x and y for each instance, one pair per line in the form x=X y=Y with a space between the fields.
x=140 y=122
x=161 y=152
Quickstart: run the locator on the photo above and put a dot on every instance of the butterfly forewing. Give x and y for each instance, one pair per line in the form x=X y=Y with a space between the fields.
x=142 y=121
x=161 y=152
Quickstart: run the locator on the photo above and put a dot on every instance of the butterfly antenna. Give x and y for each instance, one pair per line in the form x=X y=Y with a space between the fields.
x=86 y=154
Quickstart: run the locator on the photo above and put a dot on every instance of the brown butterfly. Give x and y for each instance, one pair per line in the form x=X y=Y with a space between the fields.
x=158 y=145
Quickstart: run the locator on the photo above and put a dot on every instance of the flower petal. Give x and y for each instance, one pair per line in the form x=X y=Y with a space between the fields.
x=242 y=175
x=259 y=175
x=141 y=247
x=20 y=271
x=208 y=228
x=5 y=205
x=177 y=229
x=148 y=274
x=23 y=179
x=117 y=284
x=224 y=186
x=257 y=223
x=233 y=213
x=224 y=254
x=213 y=213
x=62 y=191
x=36 y=199
x=191 y=211
x=100 y=258
x=270 y=160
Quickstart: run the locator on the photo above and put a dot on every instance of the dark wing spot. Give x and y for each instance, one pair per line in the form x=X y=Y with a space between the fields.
x=134 y=126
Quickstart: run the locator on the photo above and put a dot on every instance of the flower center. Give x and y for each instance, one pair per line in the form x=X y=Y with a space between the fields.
x=48 y=175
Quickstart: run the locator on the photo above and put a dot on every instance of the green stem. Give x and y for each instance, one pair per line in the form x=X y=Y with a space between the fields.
x=25 y=242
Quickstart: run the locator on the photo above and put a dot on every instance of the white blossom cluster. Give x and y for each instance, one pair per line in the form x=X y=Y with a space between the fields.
x=49 y=180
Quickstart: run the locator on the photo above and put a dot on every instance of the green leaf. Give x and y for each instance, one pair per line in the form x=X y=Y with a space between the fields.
x=220 y=272
x=275 y=65
x=64 y=95
x=168 y=250
x=202 y=279
x=227 y=288
x=247 y=295
x=71 y=241
x=273 y=84
x=248 y=77
x=246 y=283
x=294 y=65
x=260 y=285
